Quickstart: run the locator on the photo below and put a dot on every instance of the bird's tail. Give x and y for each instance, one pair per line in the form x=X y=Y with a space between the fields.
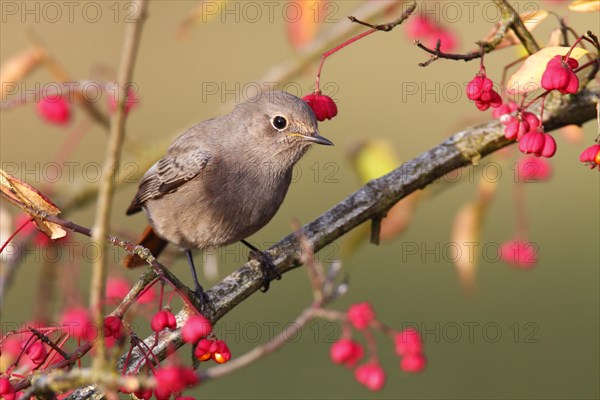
x=149 y=240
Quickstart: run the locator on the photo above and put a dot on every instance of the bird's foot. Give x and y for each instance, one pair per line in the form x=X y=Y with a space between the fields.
x=198 y=290
x=202 y=297
x=267 y=267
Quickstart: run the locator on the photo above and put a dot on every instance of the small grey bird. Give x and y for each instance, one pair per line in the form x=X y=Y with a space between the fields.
x=224 y=179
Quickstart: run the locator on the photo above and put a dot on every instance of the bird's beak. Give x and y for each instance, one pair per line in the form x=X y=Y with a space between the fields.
x=315 y=138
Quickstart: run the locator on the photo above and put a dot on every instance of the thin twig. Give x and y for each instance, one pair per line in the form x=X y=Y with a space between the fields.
x=49 y=342
x=390 y=25
x=316 y=275
x=374 y=28
x=510 y=20
x=437 y=54
x=260 y=351
x=113 y=155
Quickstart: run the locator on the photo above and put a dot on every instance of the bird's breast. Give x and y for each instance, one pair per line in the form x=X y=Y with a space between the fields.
x=224 y=204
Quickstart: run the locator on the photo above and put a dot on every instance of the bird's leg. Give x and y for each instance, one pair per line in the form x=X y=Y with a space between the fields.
x=266 y=264
x=199 y=290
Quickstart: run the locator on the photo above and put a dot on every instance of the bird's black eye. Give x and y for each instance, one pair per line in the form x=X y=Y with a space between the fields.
x=279 y=122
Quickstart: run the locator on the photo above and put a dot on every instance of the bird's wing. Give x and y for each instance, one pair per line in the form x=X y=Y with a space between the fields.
x=167 y=174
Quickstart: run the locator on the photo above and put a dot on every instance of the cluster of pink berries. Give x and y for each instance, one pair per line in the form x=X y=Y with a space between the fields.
x=24 y=352
x=481 y=91
x=195 y=331
x=349 y=352
x=525 y=127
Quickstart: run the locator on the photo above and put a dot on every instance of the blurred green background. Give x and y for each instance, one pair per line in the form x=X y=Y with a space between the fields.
x=534 y=333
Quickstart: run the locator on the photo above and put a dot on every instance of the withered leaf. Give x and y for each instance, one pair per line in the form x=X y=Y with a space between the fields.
x=24 y=195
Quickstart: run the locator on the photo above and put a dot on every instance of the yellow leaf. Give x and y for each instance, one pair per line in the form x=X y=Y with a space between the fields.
x=585 y=5
x=371 y=160
x=529 y=76
x=23 y=195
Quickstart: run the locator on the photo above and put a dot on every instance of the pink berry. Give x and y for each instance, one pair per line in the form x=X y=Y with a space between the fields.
x=532 y=168
x=361 y=315
x=113 y=327
x=54 y=109
x=195 y=328
x=515 y=128
x=479 y=84
x=163 y=319
x=549 y=148
x=173 y=379
x=519 y=253
x=7 y=391
x=117 y=288
x=408 y=342
x=204 y=349
x=559 y=75
x=347 y=352
x=37 y=352
x=538 y=143
x=323 y=106
x=77 y=322
x=532 y=120
x=221 y=354
x=423 y=28
x=419 y=27
x=591 y=156
x=371 y=376
x=415 y=362
x=448 y=40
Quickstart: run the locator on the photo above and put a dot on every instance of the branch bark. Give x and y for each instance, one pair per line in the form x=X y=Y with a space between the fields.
x=518 y=27
x=371 y=201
